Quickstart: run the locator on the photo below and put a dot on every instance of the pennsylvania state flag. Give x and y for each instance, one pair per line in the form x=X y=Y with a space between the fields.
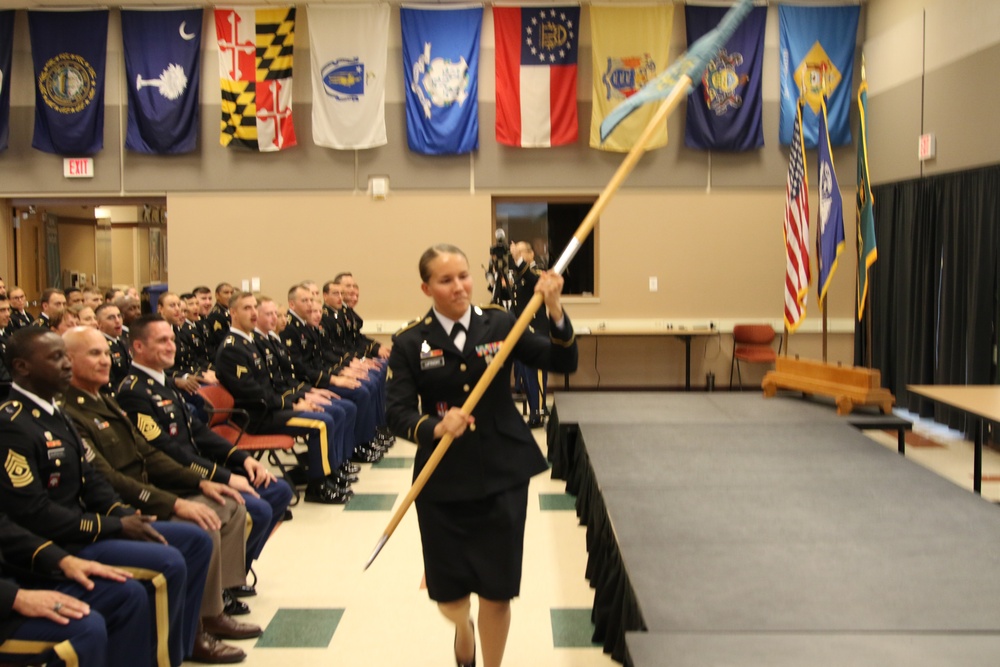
x=255 y=73
x=724 y=111
x=817 y=58
x=163 y=77
x=6 y=50
x=69 y=50
x=631 y=47
x=441 y=70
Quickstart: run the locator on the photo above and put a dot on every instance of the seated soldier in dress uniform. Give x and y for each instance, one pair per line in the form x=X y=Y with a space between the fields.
x=51 y=611
x=164 y=420
x=19 y=315
x=92 y=297
x=74 y=297
x=218 y=321
x=241 y=370
x=533 y=380
x=51 y=488
x=130 y=307
x=53 y=300
x=5 y=332
x=109 y=322
x=180 y=493
x=192 y=351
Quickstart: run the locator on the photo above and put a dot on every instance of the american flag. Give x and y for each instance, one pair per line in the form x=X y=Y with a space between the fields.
x=797 y=274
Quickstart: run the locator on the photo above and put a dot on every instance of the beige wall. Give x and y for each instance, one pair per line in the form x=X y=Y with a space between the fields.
x=77 y=247
x=123 y=270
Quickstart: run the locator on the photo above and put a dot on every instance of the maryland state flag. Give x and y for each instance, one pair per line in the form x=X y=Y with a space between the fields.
x=255 y=73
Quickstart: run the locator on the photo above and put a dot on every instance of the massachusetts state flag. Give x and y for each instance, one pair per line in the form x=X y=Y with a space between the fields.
x=6 y=50
x=163 y=78
x=630 y=47
x=349 y=50
x=441 y=71
x=830 y=237
x=255 y=73
x=724 y=112
x=536 y=59
x=817 y=58
x=69 y=51
x=797 y=271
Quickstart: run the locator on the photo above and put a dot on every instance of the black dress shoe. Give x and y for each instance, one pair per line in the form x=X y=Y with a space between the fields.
x=288 y=516
x=345 y=478
x=351 y=468
x=323 y=493
x=458 y=662
x=242 y=591
x=535 y=422
x=208 y=649
x=233 y=607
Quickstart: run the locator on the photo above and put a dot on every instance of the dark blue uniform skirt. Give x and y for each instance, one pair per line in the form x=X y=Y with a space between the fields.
x=474 y=546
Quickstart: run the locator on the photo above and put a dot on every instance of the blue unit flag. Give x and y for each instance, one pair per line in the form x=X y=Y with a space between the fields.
x=163 y=77
x=441 y=69
x=69 y=50
x=724 y=110
x=6 y=50
x=816 y=59
x=830 y=237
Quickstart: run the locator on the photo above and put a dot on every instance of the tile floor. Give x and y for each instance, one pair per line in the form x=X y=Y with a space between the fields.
x=319 y=607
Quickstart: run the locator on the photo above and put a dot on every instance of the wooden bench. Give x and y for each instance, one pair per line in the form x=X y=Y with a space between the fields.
x=849 y=386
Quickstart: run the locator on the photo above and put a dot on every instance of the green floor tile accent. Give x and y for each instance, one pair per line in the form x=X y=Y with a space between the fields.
x=371 y=502
x=395 y=462
x=556 y=501
x=571 y=628
x=300 y=628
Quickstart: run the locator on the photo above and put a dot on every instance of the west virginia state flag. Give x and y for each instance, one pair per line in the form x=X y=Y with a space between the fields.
x=163 y=77
x=6 y=50
x=255 y=72
x=69 y=50
x=441 y=70
x=817 y=59
x=630 y=47
x=724 y=111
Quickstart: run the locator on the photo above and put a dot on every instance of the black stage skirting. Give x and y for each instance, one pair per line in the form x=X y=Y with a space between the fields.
x=729 y=527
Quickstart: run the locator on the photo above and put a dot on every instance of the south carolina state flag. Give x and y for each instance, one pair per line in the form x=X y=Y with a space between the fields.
x=441 y=70
x=536 y=60
x=631 y=47
x=817 y=58
x=69 y=50
x=256 y=48
x=163 y=77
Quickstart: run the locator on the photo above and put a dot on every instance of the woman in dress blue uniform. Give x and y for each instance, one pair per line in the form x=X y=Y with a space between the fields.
x=472 y=511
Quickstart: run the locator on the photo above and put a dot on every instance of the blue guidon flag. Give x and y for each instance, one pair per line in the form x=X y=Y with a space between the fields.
x=69 y=50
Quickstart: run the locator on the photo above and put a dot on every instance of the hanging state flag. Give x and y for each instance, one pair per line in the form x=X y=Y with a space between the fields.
x=163 y=78
x=630 y=48
x=816 y=59
x=797 y=274
x=867 y=250
x=830 y=237
x=536 y=62
x=349 y=50
x=6 y=51
x=724 y=112
x=441 y=71
x=69 y=51
x=255 y=72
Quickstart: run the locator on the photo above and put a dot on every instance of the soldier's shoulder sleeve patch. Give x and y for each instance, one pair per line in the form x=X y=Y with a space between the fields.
x=147 y=426
x=18 y=470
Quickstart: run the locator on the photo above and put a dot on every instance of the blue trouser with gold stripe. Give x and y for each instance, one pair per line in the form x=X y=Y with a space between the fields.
x=534 y=381
x=115 y=633
x=324 y=437
x=265 y=513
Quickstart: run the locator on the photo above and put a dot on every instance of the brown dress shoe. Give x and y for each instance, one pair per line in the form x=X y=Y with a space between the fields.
x=210 y=650
x=227 y=627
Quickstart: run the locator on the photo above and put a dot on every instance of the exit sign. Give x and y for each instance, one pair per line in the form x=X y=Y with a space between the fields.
x=78 y=167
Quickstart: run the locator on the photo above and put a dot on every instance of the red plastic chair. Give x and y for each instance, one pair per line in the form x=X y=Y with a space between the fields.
x=230 y=422
x=752 y=343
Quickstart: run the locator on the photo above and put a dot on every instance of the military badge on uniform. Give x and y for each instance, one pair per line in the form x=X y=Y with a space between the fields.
x=148 y=427
x=18 y=470
x=173 y=430
x=442 y=409
x=488 y=350
x=54 y=480
x=101 y=425
x=430 y=358
x=240 y=370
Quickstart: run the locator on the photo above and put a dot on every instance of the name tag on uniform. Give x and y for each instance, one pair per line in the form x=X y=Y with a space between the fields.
x=56 y=453
x=431 y=362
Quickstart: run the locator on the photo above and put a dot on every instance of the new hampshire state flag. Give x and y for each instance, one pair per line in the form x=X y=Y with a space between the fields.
x=6 y=50
x=69 y=50
x=630 y=47
x=163 y=79
x=348 y=47
x=724 y=111
x=441 y=71
x=255 y=72
x=816 y=51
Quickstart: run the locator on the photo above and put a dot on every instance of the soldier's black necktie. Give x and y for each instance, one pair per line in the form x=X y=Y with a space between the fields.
x=458 y=335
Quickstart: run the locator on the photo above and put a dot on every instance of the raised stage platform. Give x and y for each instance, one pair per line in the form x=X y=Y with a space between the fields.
x=738 y=530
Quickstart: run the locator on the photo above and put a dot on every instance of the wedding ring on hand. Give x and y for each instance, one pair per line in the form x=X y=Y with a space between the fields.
x=57 y=606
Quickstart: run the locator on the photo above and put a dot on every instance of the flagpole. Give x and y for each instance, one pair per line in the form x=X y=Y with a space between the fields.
x=679 y=92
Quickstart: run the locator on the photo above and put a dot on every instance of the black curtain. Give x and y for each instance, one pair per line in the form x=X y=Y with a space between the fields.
x=934 y=289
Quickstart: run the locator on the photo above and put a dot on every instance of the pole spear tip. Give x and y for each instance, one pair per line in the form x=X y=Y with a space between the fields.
x=375 y=552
